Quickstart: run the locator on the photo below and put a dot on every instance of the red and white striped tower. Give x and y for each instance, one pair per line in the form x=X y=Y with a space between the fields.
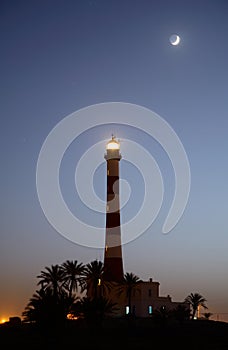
x=113 y=262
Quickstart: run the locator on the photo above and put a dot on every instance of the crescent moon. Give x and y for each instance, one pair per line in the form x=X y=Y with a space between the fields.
x=176 y=41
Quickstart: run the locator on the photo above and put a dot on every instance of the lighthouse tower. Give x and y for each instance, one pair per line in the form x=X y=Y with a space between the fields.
x=113 y=262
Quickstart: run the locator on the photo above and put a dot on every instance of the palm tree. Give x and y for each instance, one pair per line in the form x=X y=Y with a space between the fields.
x=94 y=310
x=34 y=310
x=161 y=315
x=181 y=313
x=195 y=300
x=129 y=284
x=44 y=311
x=52 y=278
x=72 y=278
x=207 y=315
x=93 y=278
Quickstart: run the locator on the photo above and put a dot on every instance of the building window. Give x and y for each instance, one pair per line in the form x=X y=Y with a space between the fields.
x=127 y=310
x=149 y=292
x=150 y=309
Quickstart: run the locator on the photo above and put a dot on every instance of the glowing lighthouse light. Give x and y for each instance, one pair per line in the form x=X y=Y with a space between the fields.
x=113 y=144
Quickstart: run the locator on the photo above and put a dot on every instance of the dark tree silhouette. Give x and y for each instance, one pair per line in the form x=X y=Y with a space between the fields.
x=207 y=315
x=195 y=300
x=73 y=273
x=52 y=278
x=161 y=315
x=129 y=284
x=95 y=310
x=181 y=313
x=93 y=279
x=55 y=302
x=45 y=311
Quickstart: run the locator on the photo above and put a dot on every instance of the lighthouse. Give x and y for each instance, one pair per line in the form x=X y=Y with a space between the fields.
x=113 y=262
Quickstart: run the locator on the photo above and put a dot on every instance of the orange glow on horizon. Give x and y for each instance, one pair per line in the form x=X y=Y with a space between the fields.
x=71 y=317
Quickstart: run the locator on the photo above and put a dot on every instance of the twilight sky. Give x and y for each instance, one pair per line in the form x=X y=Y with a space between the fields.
x=58 y=57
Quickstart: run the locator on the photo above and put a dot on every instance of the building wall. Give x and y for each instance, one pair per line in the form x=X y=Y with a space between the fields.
x=145 y=299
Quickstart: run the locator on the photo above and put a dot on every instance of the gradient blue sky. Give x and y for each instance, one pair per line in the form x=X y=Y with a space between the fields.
x=60 y=56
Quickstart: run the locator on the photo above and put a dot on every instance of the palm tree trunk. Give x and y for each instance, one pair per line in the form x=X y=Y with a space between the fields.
x=71 y=290
x=193 y=314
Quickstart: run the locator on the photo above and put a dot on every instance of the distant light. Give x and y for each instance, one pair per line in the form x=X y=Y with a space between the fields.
x=127 y=310
x=72 y=317
x=3 y=320
x=99 y=282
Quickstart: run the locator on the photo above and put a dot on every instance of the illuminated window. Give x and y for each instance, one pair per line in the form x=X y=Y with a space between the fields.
x=99 y=282
x=127 y=310
x=150 y=309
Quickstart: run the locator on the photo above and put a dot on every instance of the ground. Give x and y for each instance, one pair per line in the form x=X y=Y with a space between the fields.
x=138 y=334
